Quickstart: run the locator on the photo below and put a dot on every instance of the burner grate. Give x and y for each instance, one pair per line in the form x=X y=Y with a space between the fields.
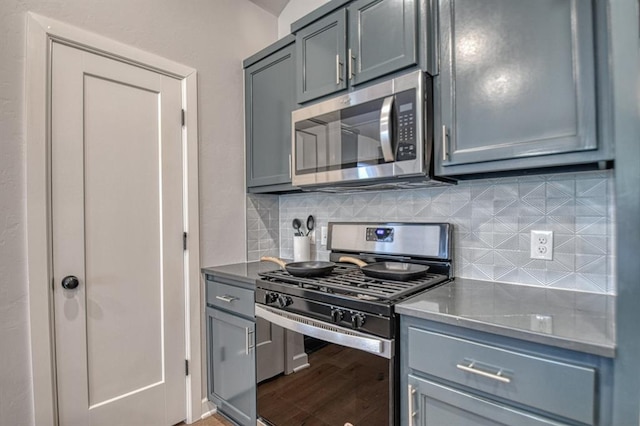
x=350 y=280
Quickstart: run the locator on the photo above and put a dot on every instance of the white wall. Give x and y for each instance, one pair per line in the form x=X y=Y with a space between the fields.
x=295 y=10
x=210 y=36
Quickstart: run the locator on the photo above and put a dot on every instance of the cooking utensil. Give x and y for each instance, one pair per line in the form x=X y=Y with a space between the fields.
x=398 y=271
x=311 y=223
x=296 y=225
x=312 y=268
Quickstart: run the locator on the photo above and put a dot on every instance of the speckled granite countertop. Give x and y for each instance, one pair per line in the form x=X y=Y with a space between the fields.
x=573 y=320
x=245 y=273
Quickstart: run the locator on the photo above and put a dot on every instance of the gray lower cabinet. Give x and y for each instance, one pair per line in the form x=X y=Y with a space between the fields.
x=517 y=86
x=231 y=365
x=355 y=44
x=434 y=404
x=231 y=353
x=269 y=100
x=455 y=376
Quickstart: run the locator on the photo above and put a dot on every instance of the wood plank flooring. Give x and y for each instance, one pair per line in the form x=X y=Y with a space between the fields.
x=342 y=385
x=215 y=420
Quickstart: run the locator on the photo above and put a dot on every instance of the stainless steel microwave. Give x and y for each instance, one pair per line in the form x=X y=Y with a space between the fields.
x=376 y=137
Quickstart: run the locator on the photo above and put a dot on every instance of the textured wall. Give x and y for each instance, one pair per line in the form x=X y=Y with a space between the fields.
x=210 y=36
x=492 y=223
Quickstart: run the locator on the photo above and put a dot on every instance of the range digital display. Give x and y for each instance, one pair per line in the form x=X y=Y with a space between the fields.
x=384 y=235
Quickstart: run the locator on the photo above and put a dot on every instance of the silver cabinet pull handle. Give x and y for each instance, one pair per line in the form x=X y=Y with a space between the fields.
x=445 y=153
x=246 y=333
x=290 y=166
x=411 y=413
x=350 y=65
x=227 y=299
x=495 y=376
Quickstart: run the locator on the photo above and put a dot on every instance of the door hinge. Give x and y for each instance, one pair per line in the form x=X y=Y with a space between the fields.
x=186 y=367
x=182 y=117
x=184 y=241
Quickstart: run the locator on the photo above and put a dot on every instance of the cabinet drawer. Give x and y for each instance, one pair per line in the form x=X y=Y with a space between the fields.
x=556 y=387
x=233 y=299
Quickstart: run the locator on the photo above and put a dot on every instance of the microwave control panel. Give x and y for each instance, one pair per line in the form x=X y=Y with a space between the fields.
x=406 y=125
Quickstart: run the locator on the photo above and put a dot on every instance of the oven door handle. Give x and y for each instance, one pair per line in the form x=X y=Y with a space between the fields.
x=386 y=130
x=328 y=332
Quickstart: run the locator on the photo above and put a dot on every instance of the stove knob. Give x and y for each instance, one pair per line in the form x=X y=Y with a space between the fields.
x=270 y=297
x=284 y=301
x=357 y=320
x=337 y=315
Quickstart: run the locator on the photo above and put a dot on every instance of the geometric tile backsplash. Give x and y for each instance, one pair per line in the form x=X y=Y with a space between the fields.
x=492 y=220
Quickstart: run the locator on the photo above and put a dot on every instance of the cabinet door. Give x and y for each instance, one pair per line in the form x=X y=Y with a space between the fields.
x=382 y=38
x=321 y=55
x=231 y=365
x=269 y=100
x=517 y=82
x=433 y=404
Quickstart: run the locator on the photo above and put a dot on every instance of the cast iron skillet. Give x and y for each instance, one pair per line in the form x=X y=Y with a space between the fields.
x=398 y=271
x=312 y=268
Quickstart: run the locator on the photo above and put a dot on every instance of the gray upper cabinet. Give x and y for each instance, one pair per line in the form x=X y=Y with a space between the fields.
x=517 y=86
x=382 y=38
x=352 y=45
x=269 y=100
x=321 y=52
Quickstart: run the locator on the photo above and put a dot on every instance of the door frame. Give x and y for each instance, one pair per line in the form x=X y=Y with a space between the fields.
x=41 y=33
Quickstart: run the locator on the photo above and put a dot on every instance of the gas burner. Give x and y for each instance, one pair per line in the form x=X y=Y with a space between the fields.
x=350 y=281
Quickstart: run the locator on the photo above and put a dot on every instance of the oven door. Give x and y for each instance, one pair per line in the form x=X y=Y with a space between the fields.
x=349 y=378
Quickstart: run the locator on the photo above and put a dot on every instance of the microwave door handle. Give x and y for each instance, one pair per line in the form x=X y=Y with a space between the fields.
x=386 y=130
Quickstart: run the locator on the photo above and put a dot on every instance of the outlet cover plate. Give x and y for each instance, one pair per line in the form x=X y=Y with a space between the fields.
x=542 y=245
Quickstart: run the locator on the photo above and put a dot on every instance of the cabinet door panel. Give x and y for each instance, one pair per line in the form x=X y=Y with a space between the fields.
x=436 y=405
x=321 y=55
x=269 y=100
x=517 y=79
x=231 y=358
x=382 y=37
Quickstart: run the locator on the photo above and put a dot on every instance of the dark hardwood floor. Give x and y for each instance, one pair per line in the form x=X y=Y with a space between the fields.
x=342 y=385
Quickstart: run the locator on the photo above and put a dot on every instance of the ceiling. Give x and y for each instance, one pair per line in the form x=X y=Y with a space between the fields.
x=272 y=6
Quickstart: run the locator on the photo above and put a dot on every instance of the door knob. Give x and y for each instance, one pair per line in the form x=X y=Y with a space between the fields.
x=70 y=282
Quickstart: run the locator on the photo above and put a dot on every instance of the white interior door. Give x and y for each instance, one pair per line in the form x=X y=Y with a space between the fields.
x=117 y=224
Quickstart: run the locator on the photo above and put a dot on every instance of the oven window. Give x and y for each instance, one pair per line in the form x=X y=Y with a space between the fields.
x=341 y=385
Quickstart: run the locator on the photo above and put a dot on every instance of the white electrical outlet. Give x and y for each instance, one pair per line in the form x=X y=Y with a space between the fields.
x=542 y=245
x=323 y=236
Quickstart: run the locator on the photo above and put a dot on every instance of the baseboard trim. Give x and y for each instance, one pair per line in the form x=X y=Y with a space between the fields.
x=208 y=408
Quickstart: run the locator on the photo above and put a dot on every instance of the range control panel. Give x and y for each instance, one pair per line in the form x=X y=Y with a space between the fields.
x=382 y=235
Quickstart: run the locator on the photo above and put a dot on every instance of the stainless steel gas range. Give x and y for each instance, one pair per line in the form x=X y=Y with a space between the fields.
x=349 y=313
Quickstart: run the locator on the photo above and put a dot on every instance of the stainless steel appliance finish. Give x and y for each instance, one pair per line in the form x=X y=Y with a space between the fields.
x=376 y=137
x=352 y=310
x=422 y=240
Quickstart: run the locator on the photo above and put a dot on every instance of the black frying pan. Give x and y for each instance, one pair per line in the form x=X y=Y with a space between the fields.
x=398 y=271
x=312 y=268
